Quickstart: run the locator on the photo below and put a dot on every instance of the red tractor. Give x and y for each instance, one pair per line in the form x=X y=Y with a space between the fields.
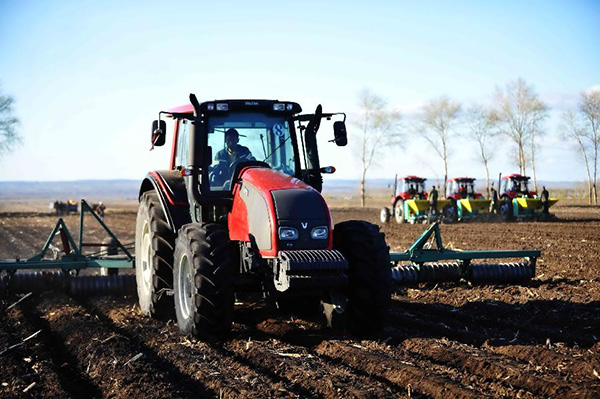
x=465 y=202
x=517 y=201
x=411 y=188
x=240 y=206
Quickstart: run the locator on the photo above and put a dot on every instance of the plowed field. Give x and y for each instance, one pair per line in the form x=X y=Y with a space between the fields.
x=441 y=340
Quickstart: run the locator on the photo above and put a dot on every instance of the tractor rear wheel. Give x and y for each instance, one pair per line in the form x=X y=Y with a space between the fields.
x=369 y=272
x=154 y=243
x=506 y=212
x=399 y=211
x=205 y=262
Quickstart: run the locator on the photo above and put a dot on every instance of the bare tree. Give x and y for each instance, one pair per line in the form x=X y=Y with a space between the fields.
x=437 y=127
x=8 y=123
x=572 y=128
x=379 y=129
x=481 y=125
x=589 y=106
x=520 y=113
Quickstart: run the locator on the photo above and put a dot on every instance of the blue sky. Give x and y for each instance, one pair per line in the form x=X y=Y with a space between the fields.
x=89 y=77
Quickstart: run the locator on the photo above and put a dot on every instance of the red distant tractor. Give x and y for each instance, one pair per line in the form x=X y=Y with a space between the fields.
x=517 y=201
x=240 y=206
x=516 y=186
x=465 y=202
x=410 y=188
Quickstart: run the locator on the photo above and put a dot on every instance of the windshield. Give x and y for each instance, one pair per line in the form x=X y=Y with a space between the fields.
x=411 y=187
x=244 y=136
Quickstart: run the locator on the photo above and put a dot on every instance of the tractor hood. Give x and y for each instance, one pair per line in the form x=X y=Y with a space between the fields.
x=273 y=211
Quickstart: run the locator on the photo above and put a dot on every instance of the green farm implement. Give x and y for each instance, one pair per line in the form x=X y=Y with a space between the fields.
x=427 y=260
x=52 y=268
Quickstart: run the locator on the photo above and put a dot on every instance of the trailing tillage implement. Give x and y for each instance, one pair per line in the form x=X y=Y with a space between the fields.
x=432 y=262
x=61 y=270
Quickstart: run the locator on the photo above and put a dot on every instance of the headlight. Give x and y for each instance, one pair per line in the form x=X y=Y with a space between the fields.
x=288 y=233
x=222 y=107
x=319 y=233
x=278 y=107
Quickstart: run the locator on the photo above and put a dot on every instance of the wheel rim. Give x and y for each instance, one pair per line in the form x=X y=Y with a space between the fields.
x=185 y=287
x=146 y=255
x=383 y=215
x=398 y=212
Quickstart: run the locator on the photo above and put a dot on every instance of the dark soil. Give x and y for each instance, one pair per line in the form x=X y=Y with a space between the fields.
x=450 y=340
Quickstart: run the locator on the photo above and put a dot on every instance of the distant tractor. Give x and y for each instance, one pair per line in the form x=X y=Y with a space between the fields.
x=465 y=202
x=409 y=201
x=518 y=202
x=240 y=207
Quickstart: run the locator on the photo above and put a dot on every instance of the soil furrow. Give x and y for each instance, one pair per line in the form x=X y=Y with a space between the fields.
x=198 y=360
x=403 y=375
x=300 y=366
x=500 y=327
x=578 y=365
x=54 y=378
x=115 y=366
x=494 y=367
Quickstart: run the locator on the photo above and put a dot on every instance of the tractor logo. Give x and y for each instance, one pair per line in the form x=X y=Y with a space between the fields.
x=304 y=225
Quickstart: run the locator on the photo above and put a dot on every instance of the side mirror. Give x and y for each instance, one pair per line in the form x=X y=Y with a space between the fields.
x=340 y=134
x=158 y=133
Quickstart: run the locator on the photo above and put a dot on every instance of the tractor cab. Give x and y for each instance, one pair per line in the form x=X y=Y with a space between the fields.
x=461 y=188
x=215 y=141
x=516 y=186
x=410 y=187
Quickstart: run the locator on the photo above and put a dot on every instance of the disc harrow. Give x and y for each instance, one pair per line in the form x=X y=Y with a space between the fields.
x=435 y=263
x=59 y=271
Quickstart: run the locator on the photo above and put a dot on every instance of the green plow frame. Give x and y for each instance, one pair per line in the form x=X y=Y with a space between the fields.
x=435 y=263
x=68 y=263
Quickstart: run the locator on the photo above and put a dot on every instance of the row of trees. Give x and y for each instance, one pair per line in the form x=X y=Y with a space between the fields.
x=517 y=113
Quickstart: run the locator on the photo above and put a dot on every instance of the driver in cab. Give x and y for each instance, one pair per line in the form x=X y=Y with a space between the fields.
x=230 y=155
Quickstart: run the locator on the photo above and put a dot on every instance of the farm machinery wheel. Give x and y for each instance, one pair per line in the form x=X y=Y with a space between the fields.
x=204 y=280
x=451 y=211
x=399 y=211
x=506 y=212
x=370 y=278
x=384 y=215
x=154 y=243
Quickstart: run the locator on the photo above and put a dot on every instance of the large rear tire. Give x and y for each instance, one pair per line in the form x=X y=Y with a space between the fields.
x=154 y=244
x=205 y=262
x=369 y=272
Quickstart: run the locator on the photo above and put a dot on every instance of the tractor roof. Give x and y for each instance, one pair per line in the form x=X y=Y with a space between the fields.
x=463 y=179
x=415 y=179
x=239 y=105
x=515 y=176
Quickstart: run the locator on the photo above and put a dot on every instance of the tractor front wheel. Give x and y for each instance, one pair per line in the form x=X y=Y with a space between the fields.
x=154 y=243
x=384 y=215
x=369 y=272
x=203 y=279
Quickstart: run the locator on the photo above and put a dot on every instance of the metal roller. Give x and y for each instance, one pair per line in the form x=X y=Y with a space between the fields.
x=102 y=285
x=439 y=272
x=501 y=273
x=405 y=274
x=36 y=281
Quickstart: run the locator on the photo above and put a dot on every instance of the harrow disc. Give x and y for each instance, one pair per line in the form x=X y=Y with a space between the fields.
x=405 y=274
x=439 y=272
x=102 y=285
x=501 y=273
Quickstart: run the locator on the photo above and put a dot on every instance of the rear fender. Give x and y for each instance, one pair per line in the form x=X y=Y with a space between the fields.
x=172 y=194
